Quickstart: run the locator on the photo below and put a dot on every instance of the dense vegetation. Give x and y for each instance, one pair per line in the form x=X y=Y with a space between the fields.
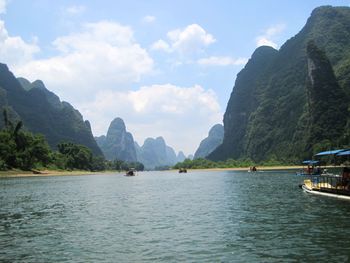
x=20 y=149
x=41 y=111
x=269 y=115
x=24 y=150
x=324 y=92
x=202 y=163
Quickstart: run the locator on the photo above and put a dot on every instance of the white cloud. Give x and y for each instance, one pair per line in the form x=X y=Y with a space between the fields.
x=103 y=55
x=221 y=61
x=3 y=4
x=161 y=45
x=269 y=36
x=148 y=19
x=75 y=9
x=182 y=115
x=263 y=41
x=192 y=39
x=14 y=50
x=94 y=69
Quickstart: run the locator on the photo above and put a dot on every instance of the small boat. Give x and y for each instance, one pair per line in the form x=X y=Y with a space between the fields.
x=252 y=169
x=131 y=172
x=182 y=170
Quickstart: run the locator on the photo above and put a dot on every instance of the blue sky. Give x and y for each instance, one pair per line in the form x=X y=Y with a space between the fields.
x=166 y=67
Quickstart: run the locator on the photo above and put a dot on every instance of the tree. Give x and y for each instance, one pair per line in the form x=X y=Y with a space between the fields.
x=98 y=163
x=33 y=152
x=21 y=149
x=77 y=156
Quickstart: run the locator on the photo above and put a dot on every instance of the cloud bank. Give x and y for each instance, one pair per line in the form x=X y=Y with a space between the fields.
x=191 y=39
x=98 y=69
x=15 y=51
x=103 y=54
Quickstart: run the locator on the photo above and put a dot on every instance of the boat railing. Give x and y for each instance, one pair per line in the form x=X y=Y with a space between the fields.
x=331 y=182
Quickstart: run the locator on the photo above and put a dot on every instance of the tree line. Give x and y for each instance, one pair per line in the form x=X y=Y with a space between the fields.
x=21 y=149
x=202 y=163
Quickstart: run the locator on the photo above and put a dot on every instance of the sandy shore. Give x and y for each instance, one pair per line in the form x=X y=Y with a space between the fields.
x=19 y=173
x=259 y=168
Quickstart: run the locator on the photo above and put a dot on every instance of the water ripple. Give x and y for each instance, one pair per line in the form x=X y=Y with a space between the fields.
x=167 y=217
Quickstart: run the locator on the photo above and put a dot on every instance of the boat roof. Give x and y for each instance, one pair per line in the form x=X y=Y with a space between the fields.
x=310 y=162
x=346 y=152
x=329 y=152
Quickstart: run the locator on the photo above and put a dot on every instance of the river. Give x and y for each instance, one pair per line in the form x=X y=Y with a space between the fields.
x=224 y=216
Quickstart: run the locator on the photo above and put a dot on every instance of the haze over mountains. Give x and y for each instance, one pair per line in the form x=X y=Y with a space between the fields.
x=209 y=144
x=119 y=144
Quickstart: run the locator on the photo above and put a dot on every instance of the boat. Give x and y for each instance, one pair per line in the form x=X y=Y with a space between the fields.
x=252 y=169
x=182 y=170
x=131 y=172
x=330 y=184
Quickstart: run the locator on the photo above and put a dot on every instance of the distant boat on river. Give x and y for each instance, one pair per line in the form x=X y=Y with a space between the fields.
x=252 y=169
x=131 y=172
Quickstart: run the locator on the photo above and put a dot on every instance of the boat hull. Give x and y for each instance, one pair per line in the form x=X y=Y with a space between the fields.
x=319 y=192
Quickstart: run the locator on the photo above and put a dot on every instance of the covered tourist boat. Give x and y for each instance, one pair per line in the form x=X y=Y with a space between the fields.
x=312 y=168
x=330 y=184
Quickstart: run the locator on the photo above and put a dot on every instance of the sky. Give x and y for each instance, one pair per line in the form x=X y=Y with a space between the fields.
x=167 y=68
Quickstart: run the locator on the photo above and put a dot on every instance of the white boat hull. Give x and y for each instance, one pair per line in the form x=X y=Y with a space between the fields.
x=310 y=191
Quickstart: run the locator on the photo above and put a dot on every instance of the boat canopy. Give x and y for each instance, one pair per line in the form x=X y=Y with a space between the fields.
x=310 y=162
x=347 y=152
x=329 y=152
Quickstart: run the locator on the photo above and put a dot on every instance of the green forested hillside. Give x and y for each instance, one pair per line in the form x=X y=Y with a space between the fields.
x=42 y=112
x=268 y=116
x=327 y=103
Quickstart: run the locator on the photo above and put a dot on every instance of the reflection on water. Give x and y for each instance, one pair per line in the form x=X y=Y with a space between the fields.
x=167 y=217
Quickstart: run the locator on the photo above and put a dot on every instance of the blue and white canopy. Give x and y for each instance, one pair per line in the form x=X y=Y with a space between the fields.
x=329 y=152
x=343 y=153
x=310 y=162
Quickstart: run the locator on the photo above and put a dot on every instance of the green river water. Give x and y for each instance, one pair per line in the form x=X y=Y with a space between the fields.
x=170 y=217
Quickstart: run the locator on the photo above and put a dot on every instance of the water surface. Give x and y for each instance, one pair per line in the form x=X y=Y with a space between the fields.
x=170 y=217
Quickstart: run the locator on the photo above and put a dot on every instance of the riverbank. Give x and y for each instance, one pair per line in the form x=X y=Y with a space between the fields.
x=259 y=168
x=42 y=173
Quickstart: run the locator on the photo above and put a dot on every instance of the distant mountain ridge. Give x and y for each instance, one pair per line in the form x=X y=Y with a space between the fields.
x=209 y=144
x=154 y=153
x=42 y=111
x=118 y=144
x=271 y=111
